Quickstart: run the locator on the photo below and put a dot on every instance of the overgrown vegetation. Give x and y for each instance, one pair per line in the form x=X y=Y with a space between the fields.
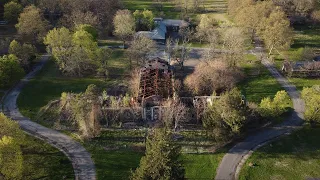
x=213 y=76
x=311 y=96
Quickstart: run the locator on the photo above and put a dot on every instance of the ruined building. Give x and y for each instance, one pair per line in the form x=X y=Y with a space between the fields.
x=156 y=81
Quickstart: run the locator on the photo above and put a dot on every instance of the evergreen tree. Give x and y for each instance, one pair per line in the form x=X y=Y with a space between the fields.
x=161 y=161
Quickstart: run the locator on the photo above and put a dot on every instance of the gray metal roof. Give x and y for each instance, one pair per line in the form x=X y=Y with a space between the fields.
x=175 y=22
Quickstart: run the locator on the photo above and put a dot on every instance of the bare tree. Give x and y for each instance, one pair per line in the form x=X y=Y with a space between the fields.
x=134 y=83
x=181 y=51
x=173 y=112
x=212 y=76
x=233 y=44
x=124 y=25
x=140 y=48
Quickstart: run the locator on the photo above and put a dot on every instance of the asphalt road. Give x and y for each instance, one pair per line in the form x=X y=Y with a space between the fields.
x=234 y=159
x=82 y=163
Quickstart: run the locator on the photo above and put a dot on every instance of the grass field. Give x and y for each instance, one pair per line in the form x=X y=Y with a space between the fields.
x=42 y=161
x=49 y=84
x=258 y=83
x=217 y=7
x=295 y=157
x=117 y=152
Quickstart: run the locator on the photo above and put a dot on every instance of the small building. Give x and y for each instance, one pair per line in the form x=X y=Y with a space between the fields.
x=163 y=29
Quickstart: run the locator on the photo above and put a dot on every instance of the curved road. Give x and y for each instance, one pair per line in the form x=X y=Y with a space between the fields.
x=82 y=163
x=234 y=159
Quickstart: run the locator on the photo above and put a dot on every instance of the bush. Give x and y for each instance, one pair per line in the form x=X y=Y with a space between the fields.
x=213 y=76
x=227 y=115
x=275 y=107
x=311 y=96
x=11 y=138
x=10 y=71
x=25 y=53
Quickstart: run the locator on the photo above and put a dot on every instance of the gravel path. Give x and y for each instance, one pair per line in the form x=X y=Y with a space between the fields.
x=232 y=162
x=82 y=163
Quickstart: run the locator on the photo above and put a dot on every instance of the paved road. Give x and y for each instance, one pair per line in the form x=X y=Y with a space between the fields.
x=82 y=163
x=234 y=159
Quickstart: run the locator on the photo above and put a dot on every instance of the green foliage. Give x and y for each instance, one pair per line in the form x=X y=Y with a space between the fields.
x=302 y=54
x=226 y=116
x=32 y=25
x=11 y=157
x=161 y=160
x=10 y=128
x=10 y=70
x=124 y=25
x=273 y=108
x=25 y=52
x=11 y=137
x=85 y=112
x=12 y=11
x=90 y=29
x=77 y=54
x=311 y=96
x=144 y=19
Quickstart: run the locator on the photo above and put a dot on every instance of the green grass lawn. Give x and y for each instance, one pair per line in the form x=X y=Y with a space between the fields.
x=293 y=157
x=169 y=10
x=49 y=84
x=110 y=42
x=202 y=166
x=118 y=152
x=42 y=161
x=258 y=83
x=304 y=82
x=305 y=36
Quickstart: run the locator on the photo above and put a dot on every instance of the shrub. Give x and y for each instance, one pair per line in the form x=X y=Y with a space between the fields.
x=10 y=71
x=227 y=115
x=213 y=76
x=311 y=96
x=274 y=107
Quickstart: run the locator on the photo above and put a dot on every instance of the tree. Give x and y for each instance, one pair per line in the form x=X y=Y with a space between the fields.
x=315 y=16
x=11 y=160
x=205 y=27
x=134 y=83
x=144 y=19
x=161 y=160
x=24 y=52
x=234 y=45
x=31 y=24
x=173 y=112
x=140 y=47
x=181 y=52
x=212 y=76
x=311 y=97
x=76 y=54
x=90 y=29
x=10 y=71
x=277 y=33
x=12 y=11
x=124 y=25
x=251 y=16
x=270 y=108
x=77 y=18
x=226 y=115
